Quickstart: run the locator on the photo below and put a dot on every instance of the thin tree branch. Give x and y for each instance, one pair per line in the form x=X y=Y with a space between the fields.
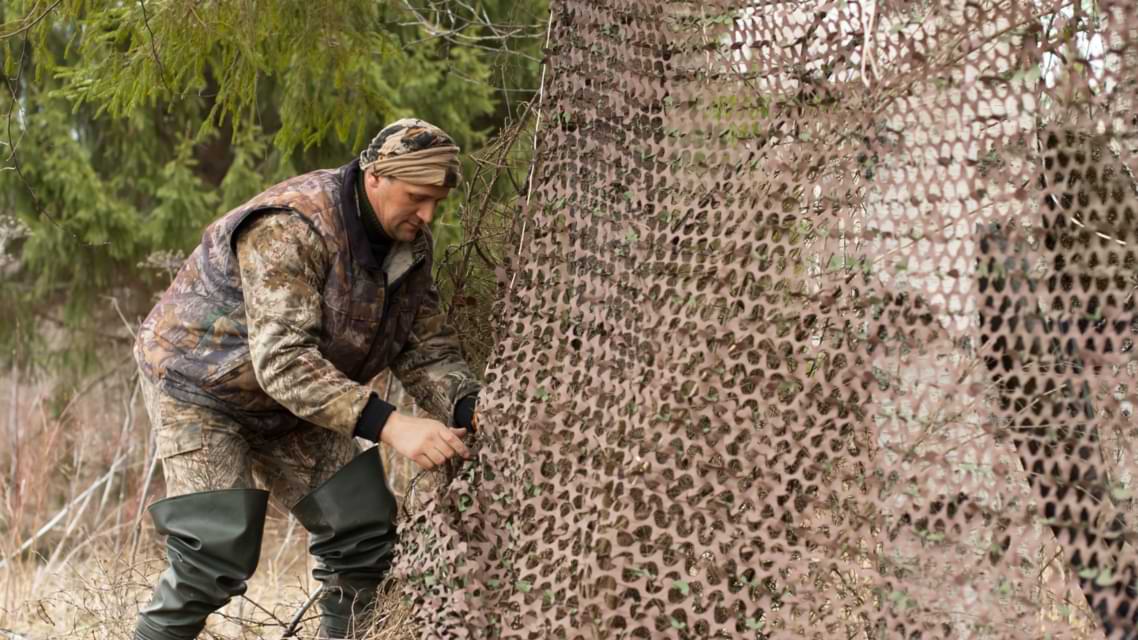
x=136 y=528
x=253 y=602
x=291 y=629
x=58 y=517
x=12 y=85
x=154 y=48
x=534 y=160
x=24 y=29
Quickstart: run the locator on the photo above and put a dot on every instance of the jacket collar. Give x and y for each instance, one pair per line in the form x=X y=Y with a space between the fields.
x=403 y=257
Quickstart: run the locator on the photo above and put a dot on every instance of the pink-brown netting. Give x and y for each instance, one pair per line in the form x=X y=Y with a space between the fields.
x=821 y=326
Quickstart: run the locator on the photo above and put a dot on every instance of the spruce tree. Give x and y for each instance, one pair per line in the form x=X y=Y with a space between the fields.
x=128 y=126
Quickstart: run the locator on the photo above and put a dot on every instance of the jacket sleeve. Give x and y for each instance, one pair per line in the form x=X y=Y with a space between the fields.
x=431 y=366
x=283 y=263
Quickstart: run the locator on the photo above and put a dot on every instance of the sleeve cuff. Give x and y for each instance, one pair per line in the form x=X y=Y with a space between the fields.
x=464 y=412
x=372 y=418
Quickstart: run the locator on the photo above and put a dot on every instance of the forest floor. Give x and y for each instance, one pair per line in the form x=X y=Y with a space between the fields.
x=78 y=553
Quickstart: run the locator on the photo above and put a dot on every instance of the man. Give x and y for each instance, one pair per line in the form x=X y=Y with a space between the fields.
x=255 y=362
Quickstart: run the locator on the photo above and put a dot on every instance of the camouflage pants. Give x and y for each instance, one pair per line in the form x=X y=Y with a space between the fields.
x=204 y=450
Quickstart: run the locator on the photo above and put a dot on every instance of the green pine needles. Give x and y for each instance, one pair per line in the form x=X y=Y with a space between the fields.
x=125 y=127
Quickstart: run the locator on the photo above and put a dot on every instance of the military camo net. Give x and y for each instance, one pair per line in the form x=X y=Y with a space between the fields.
x=821 y=326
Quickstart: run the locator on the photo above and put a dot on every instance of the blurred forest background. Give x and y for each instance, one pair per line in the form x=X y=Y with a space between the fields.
x=125 y=128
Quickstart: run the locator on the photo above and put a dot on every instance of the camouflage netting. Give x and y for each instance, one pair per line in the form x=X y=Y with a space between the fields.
x=822 y=326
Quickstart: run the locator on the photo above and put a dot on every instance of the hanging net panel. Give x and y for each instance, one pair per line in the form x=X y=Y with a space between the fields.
x=821 y=325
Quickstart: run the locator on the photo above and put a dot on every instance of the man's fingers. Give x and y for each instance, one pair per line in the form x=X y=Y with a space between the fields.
x=446 y=448
x=441 y=445
x=453 y=437
x=435 y=456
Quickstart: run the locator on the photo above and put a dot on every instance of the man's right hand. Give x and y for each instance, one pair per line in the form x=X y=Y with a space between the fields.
x=427 y=442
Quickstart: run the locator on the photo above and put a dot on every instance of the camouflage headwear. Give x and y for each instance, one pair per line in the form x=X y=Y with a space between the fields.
x=415 y=151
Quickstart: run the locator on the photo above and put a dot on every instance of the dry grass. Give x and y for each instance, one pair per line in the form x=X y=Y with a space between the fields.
x=79 y=555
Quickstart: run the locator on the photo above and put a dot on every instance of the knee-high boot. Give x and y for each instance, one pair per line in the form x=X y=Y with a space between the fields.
x=213 y=544
x=351 y=522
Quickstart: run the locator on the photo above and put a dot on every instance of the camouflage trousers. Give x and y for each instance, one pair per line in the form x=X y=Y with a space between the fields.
x=205 y=450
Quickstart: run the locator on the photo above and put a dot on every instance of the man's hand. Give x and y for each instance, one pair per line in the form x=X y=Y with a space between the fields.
x=427 y=442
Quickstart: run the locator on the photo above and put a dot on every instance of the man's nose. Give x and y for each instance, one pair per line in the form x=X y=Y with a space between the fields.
x=427 y=212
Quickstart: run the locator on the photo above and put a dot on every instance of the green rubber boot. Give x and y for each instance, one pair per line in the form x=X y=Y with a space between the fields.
x=213 y=544
x=351 y=522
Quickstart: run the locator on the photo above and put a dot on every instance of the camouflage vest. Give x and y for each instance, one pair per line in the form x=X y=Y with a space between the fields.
x=194 y=344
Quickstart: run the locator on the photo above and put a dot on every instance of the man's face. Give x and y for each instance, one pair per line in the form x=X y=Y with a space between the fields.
x=403 y=208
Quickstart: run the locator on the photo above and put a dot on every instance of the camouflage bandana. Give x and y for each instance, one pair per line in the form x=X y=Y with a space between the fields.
x=415 y=151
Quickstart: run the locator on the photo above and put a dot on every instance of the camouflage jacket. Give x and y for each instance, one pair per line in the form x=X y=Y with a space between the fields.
x=282 y=313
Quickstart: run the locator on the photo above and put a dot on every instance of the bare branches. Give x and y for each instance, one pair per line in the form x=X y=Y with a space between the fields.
x=294 y=624
x=486 y=31
x=258 y=606
x=533 y=164
x=498 y=32
x=78 y=502
x=497 y=165
x=148 y=478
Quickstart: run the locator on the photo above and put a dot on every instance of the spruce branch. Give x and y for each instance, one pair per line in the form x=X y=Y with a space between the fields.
x=13 y=85
x=30 y=22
